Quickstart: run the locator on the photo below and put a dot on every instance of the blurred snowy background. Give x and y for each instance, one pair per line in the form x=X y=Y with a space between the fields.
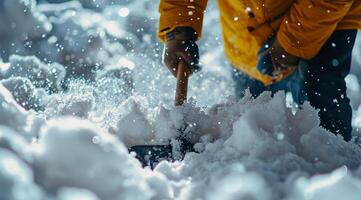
x=82 y=80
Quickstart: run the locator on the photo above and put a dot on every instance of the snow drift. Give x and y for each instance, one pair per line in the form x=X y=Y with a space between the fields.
x=246 y=152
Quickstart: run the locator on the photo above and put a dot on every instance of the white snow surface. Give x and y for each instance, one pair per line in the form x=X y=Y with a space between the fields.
x=81 y=81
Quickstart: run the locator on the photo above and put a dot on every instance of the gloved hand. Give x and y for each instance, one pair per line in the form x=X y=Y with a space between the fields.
x=181 y=44
x=273 y=60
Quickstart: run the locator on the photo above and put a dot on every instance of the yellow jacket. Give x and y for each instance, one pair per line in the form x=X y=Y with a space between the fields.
x=301 y=26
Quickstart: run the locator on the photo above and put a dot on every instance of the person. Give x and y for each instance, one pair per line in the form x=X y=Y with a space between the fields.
x=301 y=46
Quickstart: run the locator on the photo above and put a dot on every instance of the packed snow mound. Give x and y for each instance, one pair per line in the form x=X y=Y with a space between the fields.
x=271 y=153
x=47 y=76
x=81 y=155
x=12 y=114
x=25 y=92
x=328 y=186
x=246 y=151
x=16 y=179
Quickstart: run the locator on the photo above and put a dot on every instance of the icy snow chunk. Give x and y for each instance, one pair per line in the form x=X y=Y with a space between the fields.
x=12 y=114
x=133 y=126
x=353 y=90
x=76 y=194
x=25 y=93
x=250 y=126
x=167 y=123
x=188 y=120
x=78 y=101
x=16 y=179
x=160 y=184
x=47 y=76
x=15 y=117
x=238 y=186
x=15 y=143
x=70 y=104
x=229 y=181
x=340 y=184
x=343 y=153
x=70 y=158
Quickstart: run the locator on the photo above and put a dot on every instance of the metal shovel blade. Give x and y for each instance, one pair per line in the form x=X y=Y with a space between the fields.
x=151 y=155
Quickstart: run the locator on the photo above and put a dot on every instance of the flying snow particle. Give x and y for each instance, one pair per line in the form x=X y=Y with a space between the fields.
x=123 y=12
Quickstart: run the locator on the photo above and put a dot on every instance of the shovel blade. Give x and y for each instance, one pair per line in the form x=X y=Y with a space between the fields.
x=151 y=155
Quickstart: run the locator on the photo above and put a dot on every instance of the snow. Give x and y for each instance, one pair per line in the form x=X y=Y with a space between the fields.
x=12 y=114
x=48 y=76
x=69 y=157
x=327 y=186
x=16 y=179
x=87 y=83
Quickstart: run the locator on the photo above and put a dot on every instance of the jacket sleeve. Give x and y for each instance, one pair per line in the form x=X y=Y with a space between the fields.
x=309 y=24
x=176 y=13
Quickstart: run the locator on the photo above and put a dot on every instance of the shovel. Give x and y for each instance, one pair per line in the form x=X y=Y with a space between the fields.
x=151 y=155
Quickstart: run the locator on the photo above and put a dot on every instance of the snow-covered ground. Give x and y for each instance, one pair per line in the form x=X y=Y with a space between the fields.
x=82 y=80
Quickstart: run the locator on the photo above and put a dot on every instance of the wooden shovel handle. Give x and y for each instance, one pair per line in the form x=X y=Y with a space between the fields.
x=182 y=83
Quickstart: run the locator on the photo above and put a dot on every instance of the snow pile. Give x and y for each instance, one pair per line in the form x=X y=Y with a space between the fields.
x=264 y=152
x=328 y=186
x=12 y=115
x=80 y=155
x=61 y=158
x=30 y=80
x=16 y=179
x=47 y=76
x=247 y=151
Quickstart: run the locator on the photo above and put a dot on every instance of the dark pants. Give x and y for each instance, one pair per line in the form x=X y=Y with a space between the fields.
x=320 y=80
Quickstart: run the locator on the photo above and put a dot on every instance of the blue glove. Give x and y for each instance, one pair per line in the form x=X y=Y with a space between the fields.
x=265 y=64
